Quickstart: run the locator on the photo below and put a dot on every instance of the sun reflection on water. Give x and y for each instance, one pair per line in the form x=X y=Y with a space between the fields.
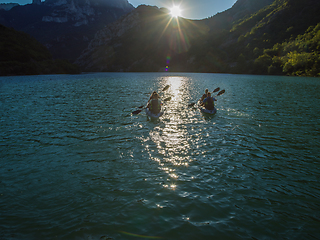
x=175 y=83
x=172 y=140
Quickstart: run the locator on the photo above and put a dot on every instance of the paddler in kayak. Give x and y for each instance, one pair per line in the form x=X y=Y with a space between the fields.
x=208 y=102
x=205 y=95
x=154 y=104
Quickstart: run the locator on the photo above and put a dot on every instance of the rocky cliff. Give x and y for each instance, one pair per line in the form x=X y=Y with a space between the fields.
x=79 y=12
x=261 y=37
x=111 y=49
x=21 y=54
x=143 y=40
x=65 y=27
x=8 y=6
x=92 y=58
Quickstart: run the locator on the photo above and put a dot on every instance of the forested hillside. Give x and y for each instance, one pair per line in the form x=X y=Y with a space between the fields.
x=273 y=37
x=145 y=40
x=21 y=54
x=282 y=38
x=267 y=37
x=64 y=27
x=298 y=57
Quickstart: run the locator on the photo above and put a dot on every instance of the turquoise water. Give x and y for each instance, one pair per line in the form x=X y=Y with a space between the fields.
x=76 y=164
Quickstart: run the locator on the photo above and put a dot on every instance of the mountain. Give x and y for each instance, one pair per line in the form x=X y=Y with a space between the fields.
x=143 y=40
x=272 y=31
x=8 y=6
x=65 y=27
x=241 y=8
x=21 y=54
x=255 y=37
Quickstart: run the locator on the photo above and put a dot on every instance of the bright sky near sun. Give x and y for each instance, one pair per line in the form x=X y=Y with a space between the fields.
x=191 y=9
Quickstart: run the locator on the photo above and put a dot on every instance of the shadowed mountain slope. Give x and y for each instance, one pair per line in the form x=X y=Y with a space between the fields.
x=21 y=54
x=239 y=40
x=65 y=27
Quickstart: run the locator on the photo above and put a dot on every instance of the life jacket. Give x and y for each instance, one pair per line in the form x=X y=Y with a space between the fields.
x=209 y=104
x=155 y=106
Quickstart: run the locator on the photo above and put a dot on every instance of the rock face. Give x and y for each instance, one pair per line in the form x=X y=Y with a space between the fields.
x=8 y=6
x=36 y=1
x=243 y=7
x=65 y=27
x=21 y=54
x=237 y=40
x=80 y=12
x=240 y=9
x=103 y=3
x=110 y=50
x=90 y=59
x=143 y=40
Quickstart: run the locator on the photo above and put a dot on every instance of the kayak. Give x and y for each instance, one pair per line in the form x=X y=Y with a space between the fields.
x=152 y=115
x=204 y=110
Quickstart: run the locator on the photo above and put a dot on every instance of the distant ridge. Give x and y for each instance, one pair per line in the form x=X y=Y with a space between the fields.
x=253 y=37
x=65 y=27
x=7 y=6
x=21 y=54
x=279 y=37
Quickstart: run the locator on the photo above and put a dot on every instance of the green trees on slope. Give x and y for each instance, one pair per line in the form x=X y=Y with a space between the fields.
x=297 y=57
x=280 y=39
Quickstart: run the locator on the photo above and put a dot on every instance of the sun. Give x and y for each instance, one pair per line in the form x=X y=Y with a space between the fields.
x=175 y=11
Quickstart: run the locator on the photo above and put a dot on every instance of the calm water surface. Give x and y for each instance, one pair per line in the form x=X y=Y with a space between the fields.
x=76 y=164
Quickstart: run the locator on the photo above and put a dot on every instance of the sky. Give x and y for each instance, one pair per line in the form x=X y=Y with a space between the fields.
x=191 y=9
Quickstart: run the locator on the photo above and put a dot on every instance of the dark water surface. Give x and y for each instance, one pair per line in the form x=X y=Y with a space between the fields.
x=75 y=164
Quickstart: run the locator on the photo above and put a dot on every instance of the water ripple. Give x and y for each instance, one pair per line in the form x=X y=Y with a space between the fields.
x=77 y=165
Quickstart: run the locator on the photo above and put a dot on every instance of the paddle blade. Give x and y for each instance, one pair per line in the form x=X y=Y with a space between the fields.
x=136 y=112
x=216 y=90
x=165 y=88
x=167 y=99
x=221 y=92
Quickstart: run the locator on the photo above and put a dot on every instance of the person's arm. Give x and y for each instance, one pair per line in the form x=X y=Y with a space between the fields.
x=203 y=102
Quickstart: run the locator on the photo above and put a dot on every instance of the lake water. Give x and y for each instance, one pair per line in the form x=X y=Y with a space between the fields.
x=76 y=164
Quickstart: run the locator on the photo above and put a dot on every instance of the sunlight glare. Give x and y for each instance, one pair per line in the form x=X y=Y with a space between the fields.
x=175 y=11
x=175 y=83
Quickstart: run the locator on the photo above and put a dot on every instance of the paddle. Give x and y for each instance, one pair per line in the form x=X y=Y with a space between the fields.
x=167 y=99
x=220 y=93
x=191 y=104
x=216 y=90
x=165 y=88
x=137 y=112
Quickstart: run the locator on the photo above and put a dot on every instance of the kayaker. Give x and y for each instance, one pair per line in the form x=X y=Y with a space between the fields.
x=154 y=103
x=204 y=95
x=208 y=102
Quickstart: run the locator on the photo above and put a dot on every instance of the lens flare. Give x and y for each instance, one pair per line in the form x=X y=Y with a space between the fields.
x=175 y=11
x=168 y=62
